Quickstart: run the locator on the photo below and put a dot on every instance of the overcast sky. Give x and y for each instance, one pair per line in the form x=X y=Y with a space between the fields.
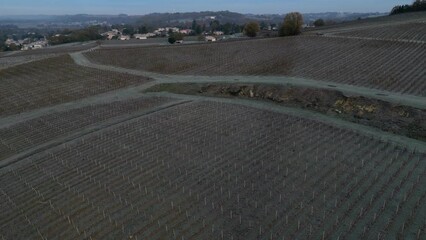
x=140 y=7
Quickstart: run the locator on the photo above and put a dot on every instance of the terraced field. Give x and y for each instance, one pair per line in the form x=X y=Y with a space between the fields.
x=53 y=81
x=392 y=66
x=212 y=171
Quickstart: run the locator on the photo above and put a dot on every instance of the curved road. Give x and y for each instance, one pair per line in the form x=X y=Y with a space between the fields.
x=137 y=91
x=350 y=90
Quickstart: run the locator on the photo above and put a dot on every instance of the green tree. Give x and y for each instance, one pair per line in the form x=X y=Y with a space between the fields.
x=214 y=26
x=319 y=22
x=143 y=29
x=292 y=24
x=251 y=29
x=194 y=25
x=418 y=5
x=128 y=30
x=227 y=28
x=173 y=37
x=198 y=30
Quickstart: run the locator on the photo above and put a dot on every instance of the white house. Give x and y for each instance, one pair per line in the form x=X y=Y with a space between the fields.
x=141 y=36
x=210 y=39
x=186 y=31
x=218 y=33
x=10 y=41
x=124 y=37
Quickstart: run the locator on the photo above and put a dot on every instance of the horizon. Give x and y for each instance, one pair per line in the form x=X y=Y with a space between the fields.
x=135 y=8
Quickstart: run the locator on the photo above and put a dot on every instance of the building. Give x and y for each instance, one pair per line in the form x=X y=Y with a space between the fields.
x=124 y=37
x=140 y=36
x=186 y=31
x=210 y=39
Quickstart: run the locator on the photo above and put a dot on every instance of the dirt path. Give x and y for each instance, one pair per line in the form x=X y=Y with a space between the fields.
x=137 y=91
x=85 y=131
x=118 y=95
x=409 y=143
x=350 y=90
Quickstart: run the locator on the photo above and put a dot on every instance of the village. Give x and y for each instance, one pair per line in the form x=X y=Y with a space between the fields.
x=116 y=34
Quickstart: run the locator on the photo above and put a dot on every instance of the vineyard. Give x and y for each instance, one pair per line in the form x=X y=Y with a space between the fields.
x=392 y=66
x=376 y=22
x=278 y=138
x=53 y=81
x=22 y=136
x=407 y=32
x=6 y=62
x=215 y=171
x=59 y=49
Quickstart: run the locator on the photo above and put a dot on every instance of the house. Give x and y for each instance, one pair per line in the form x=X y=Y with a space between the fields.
x=124 y=37
x=10 y=41
x=218 y=33
x=111 y=34
x=186 y=31
x=141 y=36
x=35 y=45
x=210 y=39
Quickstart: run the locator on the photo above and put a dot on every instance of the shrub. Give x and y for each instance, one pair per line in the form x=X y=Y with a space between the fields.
x=251 y=29
x=292 y=24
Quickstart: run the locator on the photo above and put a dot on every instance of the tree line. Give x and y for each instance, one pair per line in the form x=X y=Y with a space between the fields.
x=80 y=35
x=292 y=25
x=418 y=5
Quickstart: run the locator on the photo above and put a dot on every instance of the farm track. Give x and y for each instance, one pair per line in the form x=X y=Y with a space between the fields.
x=404 y=99
x=20 y=135
x=383 y=65
x=80 y=131
x=54 y=81
x=373 y=132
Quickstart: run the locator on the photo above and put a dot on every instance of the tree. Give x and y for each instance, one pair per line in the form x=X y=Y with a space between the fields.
x=214 y=26
x=292 y=24
x=194 y=25
x=251 y=29
x=227 y=28
x=128 y=30
x=198 y=30
x=143 y=29
x=418 y=5
x=173 y=37
x=319 y=22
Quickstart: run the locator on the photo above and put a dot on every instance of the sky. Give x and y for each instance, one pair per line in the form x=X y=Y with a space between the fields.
x=141 y=7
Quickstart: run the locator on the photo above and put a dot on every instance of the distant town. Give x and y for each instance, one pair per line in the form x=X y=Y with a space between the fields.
x=26 y=34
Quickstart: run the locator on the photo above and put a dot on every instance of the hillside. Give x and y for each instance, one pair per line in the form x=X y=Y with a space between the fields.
x=318 y=136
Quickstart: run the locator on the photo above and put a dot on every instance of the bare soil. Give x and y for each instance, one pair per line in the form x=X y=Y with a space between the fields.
x=398 y=119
